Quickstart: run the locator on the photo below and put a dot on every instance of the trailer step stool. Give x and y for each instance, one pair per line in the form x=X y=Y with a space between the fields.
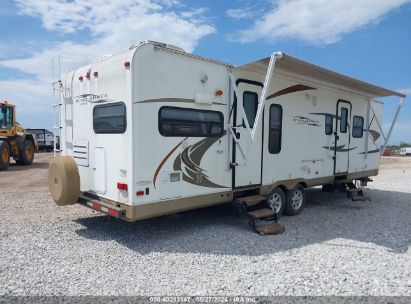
x=262 y=219
x=356 y=193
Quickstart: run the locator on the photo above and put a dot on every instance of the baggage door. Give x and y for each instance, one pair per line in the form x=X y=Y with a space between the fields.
x=100 y=170
x=342 y=137
x=249 y=174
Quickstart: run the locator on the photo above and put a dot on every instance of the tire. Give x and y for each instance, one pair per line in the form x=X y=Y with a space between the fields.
x=4 y=155
x=26 y=152
x=276 y=201
x=295 y=201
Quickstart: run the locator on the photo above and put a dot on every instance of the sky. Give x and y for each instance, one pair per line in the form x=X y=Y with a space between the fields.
x=366 y=39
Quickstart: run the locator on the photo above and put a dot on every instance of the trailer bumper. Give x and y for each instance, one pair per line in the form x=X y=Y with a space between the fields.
x=104 y=208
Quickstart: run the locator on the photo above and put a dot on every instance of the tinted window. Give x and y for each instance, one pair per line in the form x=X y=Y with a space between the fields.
x=329 y=120
x=250 y=104
x=109 y=118
x=344 y=117
x=275 y=128
x=175 y=121
x=357 y=126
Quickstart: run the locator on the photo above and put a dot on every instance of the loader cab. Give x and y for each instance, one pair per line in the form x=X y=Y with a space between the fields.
x=6 y=118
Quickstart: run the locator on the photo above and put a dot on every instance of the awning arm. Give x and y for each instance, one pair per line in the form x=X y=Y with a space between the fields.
x=251 y=132
x=267 y=82
x=402 y=100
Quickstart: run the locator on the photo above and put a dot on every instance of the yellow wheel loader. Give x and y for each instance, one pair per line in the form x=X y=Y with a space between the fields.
x=14 y=140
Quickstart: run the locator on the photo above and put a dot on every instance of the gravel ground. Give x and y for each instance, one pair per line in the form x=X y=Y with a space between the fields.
x=335 y=247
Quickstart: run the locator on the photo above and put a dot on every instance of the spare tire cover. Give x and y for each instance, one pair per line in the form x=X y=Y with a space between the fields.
x=64 y=180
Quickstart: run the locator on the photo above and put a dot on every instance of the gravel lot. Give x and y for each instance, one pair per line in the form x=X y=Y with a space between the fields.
x=335 y=247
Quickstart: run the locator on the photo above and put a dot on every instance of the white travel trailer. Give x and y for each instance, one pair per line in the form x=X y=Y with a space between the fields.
x=405 y=151
x=155 y=130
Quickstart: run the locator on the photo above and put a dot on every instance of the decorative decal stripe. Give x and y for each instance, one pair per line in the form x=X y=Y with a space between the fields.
x=339 y=148
x=164 y=160
x=188 y=162
x=292 y=89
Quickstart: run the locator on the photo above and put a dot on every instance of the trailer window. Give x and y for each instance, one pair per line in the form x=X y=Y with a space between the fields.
x=175 y=121
x=329 y=121
x=344 y=120
x=358 y=126
x=109 y=118
x=250 y=104
x=274 y=140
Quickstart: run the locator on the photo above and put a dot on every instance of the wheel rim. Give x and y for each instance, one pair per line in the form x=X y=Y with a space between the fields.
x=297 y=199
x=5 y=156
x=275 y=202
x=29 y=152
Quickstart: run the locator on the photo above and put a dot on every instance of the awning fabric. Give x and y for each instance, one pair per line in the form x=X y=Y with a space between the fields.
x=291 y=65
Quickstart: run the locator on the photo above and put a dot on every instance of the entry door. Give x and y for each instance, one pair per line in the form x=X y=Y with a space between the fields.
x=250 y=174
x=342 y=137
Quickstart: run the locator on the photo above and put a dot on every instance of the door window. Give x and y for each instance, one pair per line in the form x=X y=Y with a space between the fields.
x=250 y=105
x=275 y=129
x=344 y=120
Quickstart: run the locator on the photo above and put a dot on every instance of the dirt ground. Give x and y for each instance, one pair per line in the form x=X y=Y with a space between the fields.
x=30 y=176
x=334 y=247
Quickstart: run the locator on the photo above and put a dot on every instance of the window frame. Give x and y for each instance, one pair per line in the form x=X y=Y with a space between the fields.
x=256 y=106
x=281 y=129
x=327 y=124
x=346 y=120
x=362 y=126
x=161 y=130
x=123 y=130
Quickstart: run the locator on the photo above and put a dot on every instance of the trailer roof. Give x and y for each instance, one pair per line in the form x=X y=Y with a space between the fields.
x=292 y=65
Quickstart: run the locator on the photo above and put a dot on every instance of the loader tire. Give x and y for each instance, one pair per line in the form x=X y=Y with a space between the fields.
x=26 y=152
x=4 y=155
x=64 y=180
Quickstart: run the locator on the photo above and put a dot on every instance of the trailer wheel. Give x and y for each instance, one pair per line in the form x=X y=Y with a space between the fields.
x=4 y=155
x=26 y=152
x=295 y=201
x=276 y=201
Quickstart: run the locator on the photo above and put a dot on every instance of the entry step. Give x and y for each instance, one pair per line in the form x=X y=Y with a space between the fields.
x=252 y=200
x=261 y=213
x=270 y=229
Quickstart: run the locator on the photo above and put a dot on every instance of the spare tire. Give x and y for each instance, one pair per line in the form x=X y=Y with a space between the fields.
x=64 y=180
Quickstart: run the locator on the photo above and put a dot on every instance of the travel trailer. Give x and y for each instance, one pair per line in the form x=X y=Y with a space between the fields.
x=155 y=130
x=405 y=151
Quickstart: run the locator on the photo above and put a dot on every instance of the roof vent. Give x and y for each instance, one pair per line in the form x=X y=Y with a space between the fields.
x=160 y=44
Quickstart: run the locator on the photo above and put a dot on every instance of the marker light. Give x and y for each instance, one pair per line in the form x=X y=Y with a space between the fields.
x=95 y=74
x=80 y=78
x=140 y=193
x=218 y=93
x=127 y=64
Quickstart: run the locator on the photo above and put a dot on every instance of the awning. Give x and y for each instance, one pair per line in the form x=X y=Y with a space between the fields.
x=291 y=65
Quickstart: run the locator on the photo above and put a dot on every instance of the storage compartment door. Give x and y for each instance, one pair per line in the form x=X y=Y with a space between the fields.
x=100 y=170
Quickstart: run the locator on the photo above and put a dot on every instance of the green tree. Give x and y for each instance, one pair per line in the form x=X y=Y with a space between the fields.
x=403 y=144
